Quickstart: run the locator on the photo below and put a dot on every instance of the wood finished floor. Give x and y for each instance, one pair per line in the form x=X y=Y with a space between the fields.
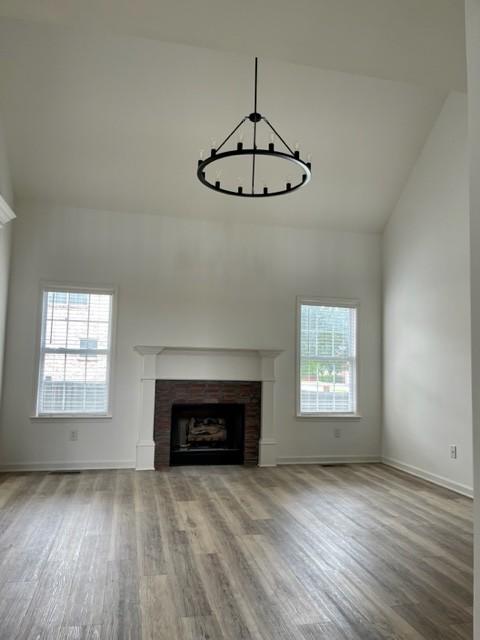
x=286 y=553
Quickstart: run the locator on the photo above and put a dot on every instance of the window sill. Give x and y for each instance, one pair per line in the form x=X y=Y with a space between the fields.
x=59 y=418
x=329 y=416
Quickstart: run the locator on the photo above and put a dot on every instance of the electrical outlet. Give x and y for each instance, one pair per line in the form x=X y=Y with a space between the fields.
x=73 y=435
x=453 y=451
x=337 y=432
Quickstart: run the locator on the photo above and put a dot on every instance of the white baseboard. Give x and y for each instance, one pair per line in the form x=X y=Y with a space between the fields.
x=463 y=489
x=68 y=466
x=344 y=459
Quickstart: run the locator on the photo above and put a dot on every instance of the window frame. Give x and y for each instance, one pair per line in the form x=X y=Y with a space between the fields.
x=74 y=288
x=327 y=302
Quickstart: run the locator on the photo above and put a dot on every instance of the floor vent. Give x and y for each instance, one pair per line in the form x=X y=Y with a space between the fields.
x=335 y=464
x=63 y=473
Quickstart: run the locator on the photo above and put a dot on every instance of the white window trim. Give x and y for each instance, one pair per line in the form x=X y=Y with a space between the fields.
x=46 y=285
x=327 y=302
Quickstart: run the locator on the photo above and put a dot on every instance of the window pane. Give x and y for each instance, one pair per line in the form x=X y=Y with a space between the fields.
x=55 y=334
x=326 y=387
x=57 y=306
x=96 y=368
x=71 y=381
x=327 y=359
x=86 y=343
x=100 y=307
x=327 y=331
x=76 y=331
x=77 y=311
x=99 y=331
x=79 y=299
x=51 y=385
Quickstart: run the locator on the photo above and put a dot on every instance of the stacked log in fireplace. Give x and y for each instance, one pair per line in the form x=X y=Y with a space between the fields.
x=207 y=434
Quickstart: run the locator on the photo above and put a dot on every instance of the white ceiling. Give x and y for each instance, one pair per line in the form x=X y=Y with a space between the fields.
x=115 y=122
x=421 y=41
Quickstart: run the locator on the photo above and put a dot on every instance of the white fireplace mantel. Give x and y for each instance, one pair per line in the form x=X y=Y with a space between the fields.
x=205 y=363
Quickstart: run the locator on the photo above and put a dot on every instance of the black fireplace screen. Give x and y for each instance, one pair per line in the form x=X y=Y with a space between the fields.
x=207 y=434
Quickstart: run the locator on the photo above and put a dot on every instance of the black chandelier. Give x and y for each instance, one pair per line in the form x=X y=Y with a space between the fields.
x=216 y=155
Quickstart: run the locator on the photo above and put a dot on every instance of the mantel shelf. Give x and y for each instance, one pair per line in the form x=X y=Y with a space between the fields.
x=157 y=350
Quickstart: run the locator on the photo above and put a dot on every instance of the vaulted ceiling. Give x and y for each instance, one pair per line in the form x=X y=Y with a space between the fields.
x=109 y=109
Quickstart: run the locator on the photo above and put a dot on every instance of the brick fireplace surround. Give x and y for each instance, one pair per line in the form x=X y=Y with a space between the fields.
x=170 y=392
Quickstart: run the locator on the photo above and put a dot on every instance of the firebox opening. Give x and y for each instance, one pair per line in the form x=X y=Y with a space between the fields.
x=207 y=434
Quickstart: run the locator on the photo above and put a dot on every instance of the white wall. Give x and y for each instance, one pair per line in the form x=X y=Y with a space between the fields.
x=427 y=382
x=473 y=65
x=187 y=282
x=5 y=246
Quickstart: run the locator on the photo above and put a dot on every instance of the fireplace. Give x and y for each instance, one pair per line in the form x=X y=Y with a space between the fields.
x=207 y=422
x=207 y=434
x=196 y=375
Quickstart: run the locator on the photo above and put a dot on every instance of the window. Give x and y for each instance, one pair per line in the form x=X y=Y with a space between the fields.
x=327 y=358
x=75 y=352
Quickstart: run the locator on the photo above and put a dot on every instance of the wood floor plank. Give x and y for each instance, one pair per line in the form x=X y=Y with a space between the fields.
x=201 y=628
x=80 y=633
x=160 y=620
x=351 y=552
x=322 y=631
x=15 y=598
x=232 y=611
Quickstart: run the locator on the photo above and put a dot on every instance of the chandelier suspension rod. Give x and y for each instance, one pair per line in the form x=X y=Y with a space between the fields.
x=278 y=135
x=254 y=126
x=231 y=134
